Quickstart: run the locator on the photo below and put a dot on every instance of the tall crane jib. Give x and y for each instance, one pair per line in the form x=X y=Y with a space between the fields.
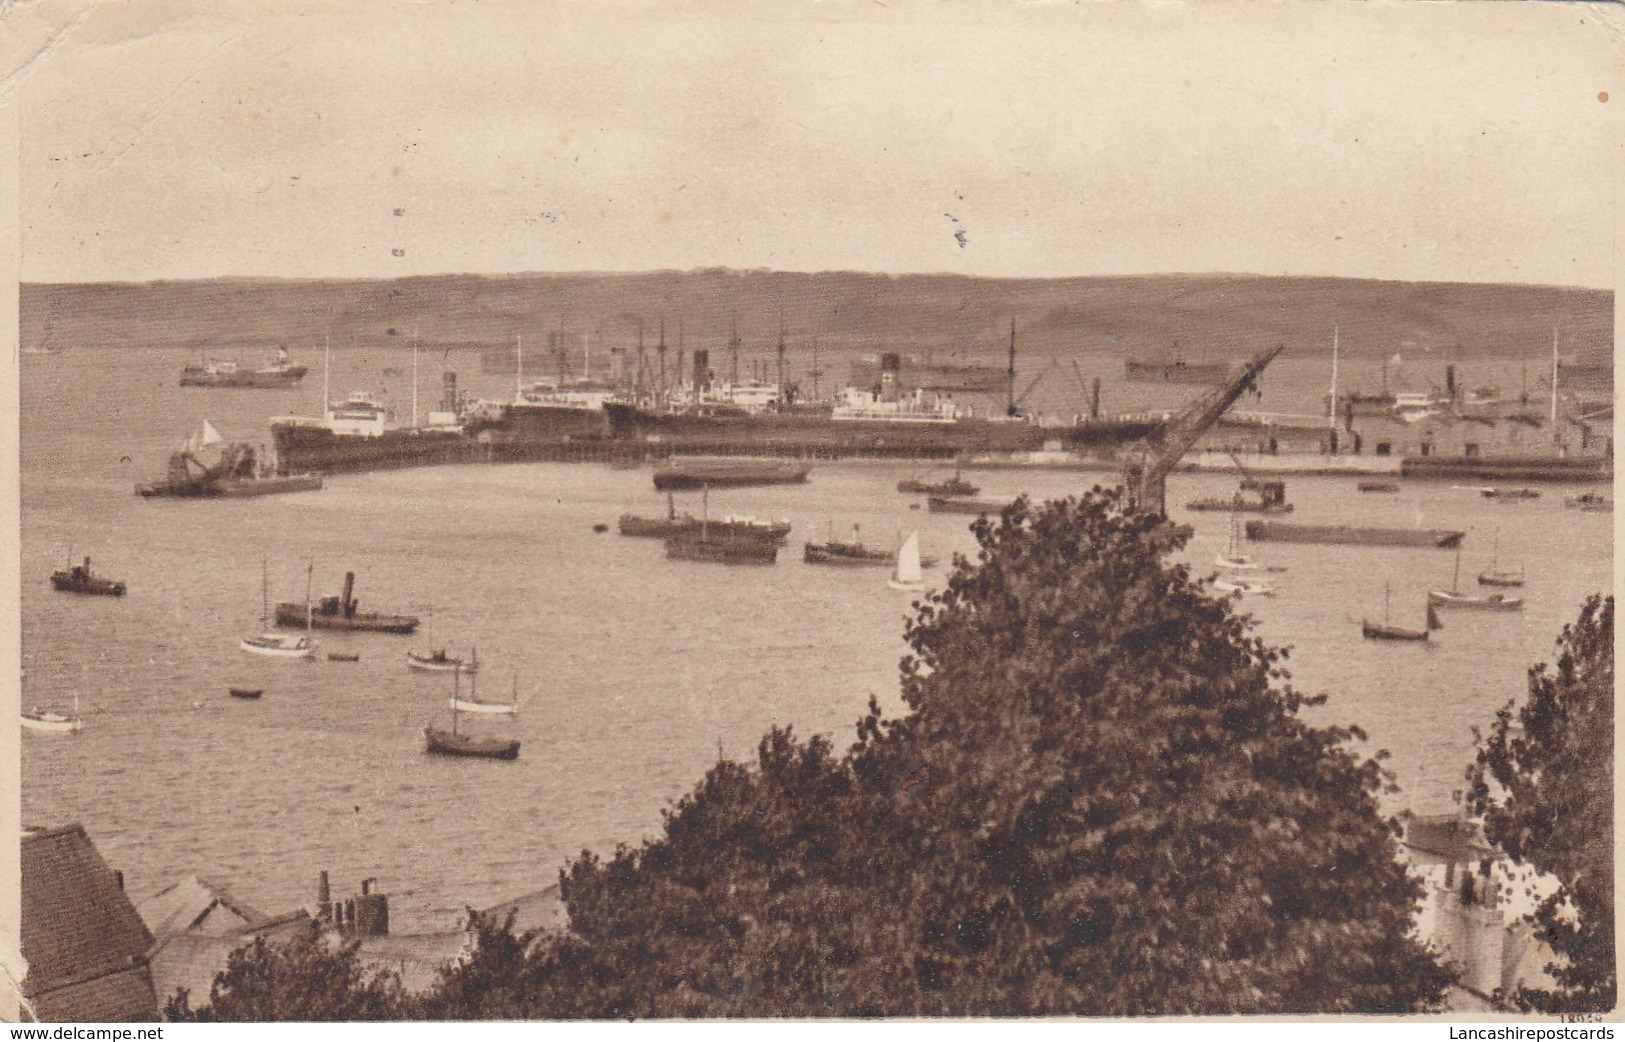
x=1148 y=462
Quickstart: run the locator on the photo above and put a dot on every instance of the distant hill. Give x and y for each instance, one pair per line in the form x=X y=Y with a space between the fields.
x=948 y=319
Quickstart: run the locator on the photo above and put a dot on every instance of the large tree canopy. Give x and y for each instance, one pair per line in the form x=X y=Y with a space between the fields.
x=1102 y=800
x=1544 y=783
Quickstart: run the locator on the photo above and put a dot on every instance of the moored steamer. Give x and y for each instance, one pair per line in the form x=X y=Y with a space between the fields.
x=276 y=374
x=341 y=613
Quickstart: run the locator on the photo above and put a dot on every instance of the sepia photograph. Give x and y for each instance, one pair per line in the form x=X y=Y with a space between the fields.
x=543 y=511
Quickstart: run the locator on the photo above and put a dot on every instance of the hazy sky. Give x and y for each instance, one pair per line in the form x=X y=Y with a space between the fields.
x=1407 y=141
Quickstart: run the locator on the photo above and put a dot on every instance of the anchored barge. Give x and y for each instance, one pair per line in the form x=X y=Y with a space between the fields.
x=964 y=505
x=1285 y=532
x=725 y=472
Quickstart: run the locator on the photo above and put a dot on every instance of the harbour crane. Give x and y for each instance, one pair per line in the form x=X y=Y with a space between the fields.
x=1148 y=461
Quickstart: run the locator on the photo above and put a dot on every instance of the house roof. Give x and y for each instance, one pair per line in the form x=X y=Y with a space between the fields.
x=539 y=910
x=1448 y=837
x=77 y=923
x=186 y=904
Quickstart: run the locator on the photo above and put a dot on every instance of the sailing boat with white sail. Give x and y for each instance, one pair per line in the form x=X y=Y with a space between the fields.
x=907 y=574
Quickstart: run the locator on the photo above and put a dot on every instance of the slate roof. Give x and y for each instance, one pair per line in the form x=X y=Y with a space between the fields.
x=85 y=944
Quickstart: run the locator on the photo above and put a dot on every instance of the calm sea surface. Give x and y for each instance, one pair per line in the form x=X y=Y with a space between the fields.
x=633 y=671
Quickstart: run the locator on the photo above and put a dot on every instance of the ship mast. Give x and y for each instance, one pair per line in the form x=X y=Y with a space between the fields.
x=1010 y=406
x=414 y=378
x=327 y=372
x=1331 y=415
x=661 y=351
x=781 y=357
x=586 y=355
x=640 y=383
x=518 y=366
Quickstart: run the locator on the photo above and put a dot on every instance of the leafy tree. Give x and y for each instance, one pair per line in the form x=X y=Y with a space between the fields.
x=1544 y=784
x=1102 y=800
x=307 y=977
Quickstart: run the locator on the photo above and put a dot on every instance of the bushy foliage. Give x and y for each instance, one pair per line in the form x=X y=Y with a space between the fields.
x=307 y=977
x=1544 y=784
x=1102 y=800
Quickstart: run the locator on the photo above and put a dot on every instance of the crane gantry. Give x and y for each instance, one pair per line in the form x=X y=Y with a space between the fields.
x=1148 y=461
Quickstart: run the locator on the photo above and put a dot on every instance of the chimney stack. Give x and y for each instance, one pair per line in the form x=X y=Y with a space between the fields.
x=890 y=365
x=702 y=369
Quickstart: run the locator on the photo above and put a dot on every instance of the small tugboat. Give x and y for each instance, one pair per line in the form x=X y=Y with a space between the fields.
x=78 y=579
x=343 y=656
x=438 y=661
x=340 y=613
x=1509 y=494
x=245 y=692
x=954 y=486
x=1379 y=486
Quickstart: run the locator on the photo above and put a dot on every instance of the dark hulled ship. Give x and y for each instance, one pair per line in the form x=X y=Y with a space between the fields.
x=343 y=613
x=356 y=435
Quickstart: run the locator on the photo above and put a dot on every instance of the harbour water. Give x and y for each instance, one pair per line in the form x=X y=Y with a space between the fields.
x=633 y=671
